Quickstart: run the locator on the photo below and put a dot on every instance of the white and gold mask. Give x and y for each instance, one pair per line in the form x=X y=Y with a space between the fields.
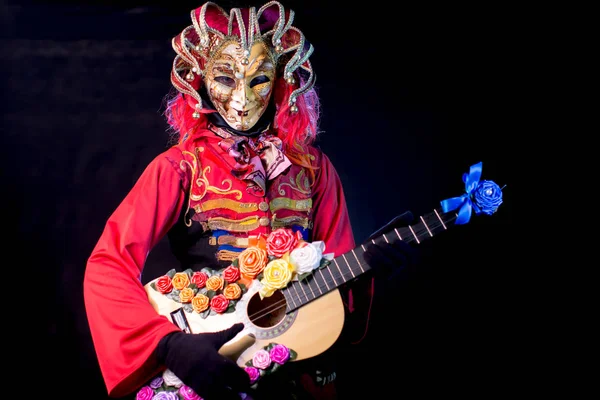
x=239 y=84
x=237 y=56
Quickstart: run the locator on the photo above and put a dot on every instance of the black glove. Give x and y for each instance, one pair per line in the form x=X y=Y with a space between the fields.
x=194 y=358
x=387 y=260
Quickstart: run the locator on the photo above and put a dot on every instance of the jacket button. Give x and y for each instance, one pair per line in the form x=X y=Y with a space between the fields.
x=263 y=221
x=263 y=206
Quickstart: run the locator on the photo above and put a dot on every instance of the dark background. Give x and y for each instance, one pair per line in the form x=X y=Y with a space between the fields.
x=412 y=96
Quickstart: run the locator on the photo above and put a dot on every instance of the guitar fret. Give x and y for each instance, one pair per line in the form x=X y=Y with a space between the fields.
x=338 y=267
x=289 y=298
x=324 y=280
x=424 y=223
x=349 y=267
x=413 y=232
x=357 y=260
x=440 y=218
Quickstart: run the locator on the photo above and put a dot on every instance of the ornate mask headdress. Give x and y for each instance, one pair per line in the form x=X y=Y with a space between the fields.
x=237 y=57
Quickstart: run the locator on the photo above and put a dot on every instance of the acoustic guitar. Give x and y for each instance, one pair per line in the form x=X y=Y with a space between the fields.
x=307 y=316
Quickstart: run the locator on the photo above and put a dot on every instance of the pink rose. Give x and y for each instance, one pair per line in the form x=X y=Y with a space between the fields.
x=188 y=393
x=253 y=373
x=261 y=359
x=280 y=354
x=145 y=393
x=281 y=241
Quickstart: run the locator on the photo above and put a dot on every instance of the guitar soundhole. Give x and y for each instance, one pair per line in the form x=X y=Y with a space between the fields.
x=267 y=312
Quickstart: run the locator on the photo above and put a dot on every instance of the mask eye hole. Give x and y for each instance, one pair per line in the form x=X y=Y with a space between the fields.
x=259 y=80
x=225 y=80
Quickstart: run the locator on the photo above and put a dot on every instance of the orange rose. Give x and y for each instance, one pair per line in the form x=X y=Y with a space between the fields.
x=252 y=261
x=200 y=303
x=233 y=291
x=180 y=280
x=215 y=283
x=186 y=295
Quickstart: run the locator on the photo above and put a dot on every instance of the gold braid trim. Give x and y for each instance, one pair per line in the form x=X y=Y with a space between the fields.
x=293 y=220
x=290 y=204
x=227 y=255
x=232 y=225
x=228 y=239
x=226 y=203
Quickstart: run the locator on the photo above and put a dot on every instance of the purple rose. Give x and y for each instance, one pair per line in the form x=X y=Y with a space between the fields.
x=145 y=393
x=166 y=396
x=261 y=359
x=156 y=382
x=253 y=373
x=188 y=393
x=280 y=354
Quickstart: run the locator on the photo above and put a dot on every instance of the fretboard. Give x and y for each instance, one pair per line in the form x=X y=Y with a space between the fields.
x=350 y=265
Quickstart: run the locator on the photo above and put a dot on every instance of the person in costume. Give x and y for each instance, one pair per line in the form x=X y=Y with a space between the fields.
x=245 y=114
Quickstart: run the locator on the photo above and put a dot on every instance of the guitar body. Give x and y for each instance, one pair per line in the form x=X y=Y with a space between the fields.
x=309 y=330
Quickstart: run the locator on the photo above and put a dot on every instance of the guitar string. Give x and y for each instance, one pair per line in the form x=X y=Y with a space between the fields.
x=425 y=233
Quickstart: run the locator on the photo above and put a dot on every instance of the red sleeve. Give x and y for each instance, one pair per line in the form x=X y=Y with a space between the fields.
x=331 y=221
x=124 y=326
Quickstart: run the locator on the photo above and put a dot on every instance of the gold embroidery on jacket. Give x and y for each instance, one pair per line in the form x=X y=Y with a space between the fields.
x=193 y=165
x=300 y=184
x=228 y=239
x=227 y=255
x=290 y=204
x=292 y=220
x=232 y=225
x=226 y=203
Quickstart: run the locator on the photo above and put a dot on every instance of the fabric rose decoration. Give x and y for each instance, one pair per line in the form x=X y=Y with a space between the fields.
x=215 y=283
x=188 y=393
x=261 y=359
x=281 y=241
x=200 y=303
x=219 y=303
x=163 y=284
x=279 y=354
x=252 y=261
x=180 y=280
x=186 y=295
x=277 y=274
x=166 y=396
x=231 y=274
x=144 y=393
x=487 y=197
x=233 y=291
x=308 y=257
x=171 y=379
x=199 y=279
x=253 y=373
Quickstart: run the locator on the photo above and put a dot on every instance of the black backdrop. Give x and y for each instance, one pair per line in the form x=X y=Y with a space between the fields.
x=412 y=96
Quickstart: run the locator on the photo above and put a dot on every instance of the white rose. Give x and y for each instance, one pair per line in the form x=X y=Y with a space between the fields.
x=171 y=379
x=305 y=259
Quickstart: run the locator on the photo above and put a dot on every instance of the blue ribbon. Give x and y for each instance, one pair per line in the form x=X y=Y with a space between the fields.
x=464 y=202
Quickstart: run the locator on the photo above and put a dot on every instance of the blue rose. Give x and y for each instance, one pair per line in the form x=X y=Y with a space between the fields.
x=487 y=197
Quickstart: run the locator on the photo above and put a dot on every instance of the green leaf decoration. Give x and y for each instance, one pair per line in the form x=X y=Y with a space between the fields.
x=249 y=363
x=274 y=367
x=259 y=277
x=236 y=263
x=171 y=273
x=194 y=287
x=174 y=295
x=205 y=313
x=187 y=307
x=211 y=293
x=153 y=286
x=293 y=354
x=270 y=346
x=230 y=308
x=303 y=276
x=243 y=287
x=189 y=271
x=324 y=262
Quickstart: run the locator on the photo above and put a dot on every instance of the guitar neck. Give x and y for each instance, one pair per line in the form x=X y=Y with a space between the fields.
x=350 y=265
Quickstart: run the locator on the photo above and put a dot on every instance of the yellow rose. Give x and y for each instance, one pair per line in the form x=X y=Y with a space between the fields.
x=180 y=280
x=277 y=274
x=186 y=295
x=215 y=283
x=233 y=291
x=200 y=303
x=252 y=261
